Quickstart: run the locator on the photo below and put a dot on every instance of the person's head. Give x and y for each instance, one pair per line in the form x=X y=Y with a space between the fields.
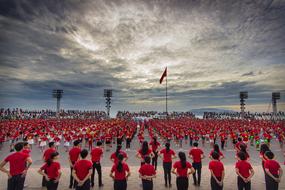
x=167 y=146
x=154 y=139
x=243 y=148
x=182 y=158
x=215 y=155
x=51 y=144
x=239 y=139
x=19 y=146
x=26 y=145
x=241 y=155
x=269 y=155
x=144 y=147
x=147 y=159
x=264 y=148
x=83 y=153
x=195 y=144
x=216 y=148
x=54 y=156
x=119 y=147
x=76 y=143
x=99 y=143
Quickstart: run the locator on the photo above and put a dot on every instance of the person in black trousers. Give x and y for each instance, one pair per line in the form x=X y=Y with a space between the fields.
x=273 y=172
x=217 y=172
x=147 y=173
x=244 y=171
x=196 y=154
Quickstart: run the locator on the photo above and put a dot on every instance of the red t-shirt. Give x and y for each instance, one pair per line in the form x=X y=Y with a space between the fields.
x=26 y=151
x=244 y=167
x=196 y=153
x=272 y=165
x=52 y=171
x=154 y=146
x=17 y=162
x=120 y=175
x=217 y=167
x=182 y=171
x=82 y=168
x=48 y=153
x=149 y=151
x=167 y=156
x=147 y=170
x=114 y=157
x=96 y=154
x=74 y=154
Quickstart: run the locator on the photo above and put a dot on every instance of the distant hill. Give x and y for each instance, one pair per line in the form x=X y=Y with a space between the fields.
x=200 y=111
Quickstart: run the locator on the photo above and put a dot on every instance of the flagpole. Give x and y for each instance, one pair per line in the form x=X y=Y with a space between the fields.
x=166 y=94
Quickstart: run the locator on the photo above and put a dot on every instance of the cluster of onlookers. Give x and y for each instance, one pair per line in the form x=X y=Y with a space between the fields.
x=246 y=115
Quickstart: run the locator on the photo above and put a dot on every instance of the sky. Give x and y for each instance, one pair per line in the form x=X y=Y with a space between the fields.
x=213 y=49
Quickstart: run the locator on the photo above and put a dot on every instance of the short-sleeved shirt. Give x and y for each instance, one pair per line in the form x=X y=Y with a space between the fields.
x=74 y=154
x=114 y=157
x=217 y=167
x=17 y=162
x=244 y=167
x=149 y=151
x=120 y=175
x=196 y=153
x=154 y=146
x=82 y=168
x=52 y=170
x=180 y=170
x=96 y=154
x=167 y=155
x=26 y=151
x=147 y=170
x=48 y=153
x=273 y=166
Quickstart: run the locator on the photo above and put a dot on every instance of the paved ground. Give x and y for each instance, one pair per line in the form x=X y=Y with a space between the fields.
x=34 y=180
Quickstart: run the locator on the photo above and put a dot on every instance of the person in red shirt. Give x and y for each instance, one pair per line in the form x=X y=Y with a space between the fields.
x=26 y=148
x=19 y=163
x=73 y=158
x=82 y=171
x=155 y=145
x=182 y=169
x=216 y=149
x=273 y=172
x=147 y=173
x=120 y=172
x=167 y=154
x=46 y=156
x=144 y=151
x=96 y=155
x=196 y=154
x=114 y=156
x=244 y=171
x=217 y=172
x=51 y=171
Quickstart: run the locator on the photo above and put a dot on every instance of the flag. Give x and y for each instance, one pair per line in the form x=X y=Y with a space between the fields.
x=163 y=75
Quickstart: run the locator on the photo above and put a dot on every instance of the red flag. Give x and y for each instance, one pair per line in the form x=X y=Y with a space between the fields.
x=163 y=75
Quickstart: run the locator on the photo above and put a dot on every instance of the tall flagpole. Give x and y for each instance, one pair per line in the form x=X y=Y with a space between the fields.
x=166 y=93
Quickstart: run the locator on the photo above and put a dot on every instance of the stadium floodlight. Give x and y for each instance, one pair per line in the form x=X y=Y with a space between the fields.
x=275 y=97
x=108 y=94
x=243 y=96
x=57 y=93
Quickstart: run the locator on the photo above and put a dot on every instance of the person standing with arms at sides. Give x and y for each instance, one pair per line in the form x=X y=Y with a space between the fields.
x=182 y=169
x=46 y=156
x=51 y=171
x=147 y=173
x=96 y=155
x=120 y=173
x=217 y=172
x=82 y=171
x=244 y=171
x=216 y=149
x=19 y=164
x=167 y=154
x=73 y=158
x=144 y=151
x=114 y=156
x=273 y=172
x=196 y=154
x=155 y=145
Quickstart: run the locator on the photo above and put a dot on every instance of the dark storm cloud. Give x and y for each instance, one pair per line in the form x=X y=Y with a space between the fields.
x=213 y=50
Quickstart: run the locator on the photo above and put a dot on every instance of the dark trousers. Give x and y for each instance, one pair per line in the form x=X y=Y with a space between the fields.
x=223 y=144
x=167 y=172
x=147 y=184
x=182 y=183
x=128 y=143
x=85 y=186
x=197 y=174
x=97 y=166
x=271 y=184
x=51 y=185
x=154 y=159
x=72 y=182
x=215 y=185
x=16 y=182
x=44 y=181
x=120 y=184
x=242 y=185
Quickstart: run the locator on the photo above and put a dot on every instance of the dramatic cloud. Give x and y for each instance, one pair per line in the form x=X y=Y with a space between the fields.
x=213 y=50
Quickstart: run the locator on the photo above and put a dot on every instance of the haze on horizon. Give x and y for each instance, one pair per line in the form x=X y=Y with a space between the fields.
x=213 y=50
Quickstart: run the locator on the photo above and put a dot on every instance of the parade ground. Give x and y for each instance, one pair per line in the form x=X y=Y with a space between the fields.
x=33 y=179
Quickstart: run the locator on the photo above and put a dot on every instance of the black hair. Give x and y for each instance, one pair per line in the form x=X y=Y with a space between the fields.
x=167 y=145
x=216 y=148
x=195 y=144
x=147 y=159
x=25 y=143
x=215 y=155
x=239 y=139
x=76 y=143
x=19 y=146
x=99 y=143
x=83 y=153
x=49 y=161
x=119 y=146
x=144 y=149
x=241 y=155
x=269 y=154
x=120 y=164
x=51 y=144
x=264 y=148
x=155 y=140
x=182 y=158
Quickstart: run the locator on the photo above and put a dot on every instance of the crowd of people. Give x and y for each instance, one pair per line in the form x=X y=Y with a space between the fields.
x=99 y=135
x=154 y=114
x=247 y=115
